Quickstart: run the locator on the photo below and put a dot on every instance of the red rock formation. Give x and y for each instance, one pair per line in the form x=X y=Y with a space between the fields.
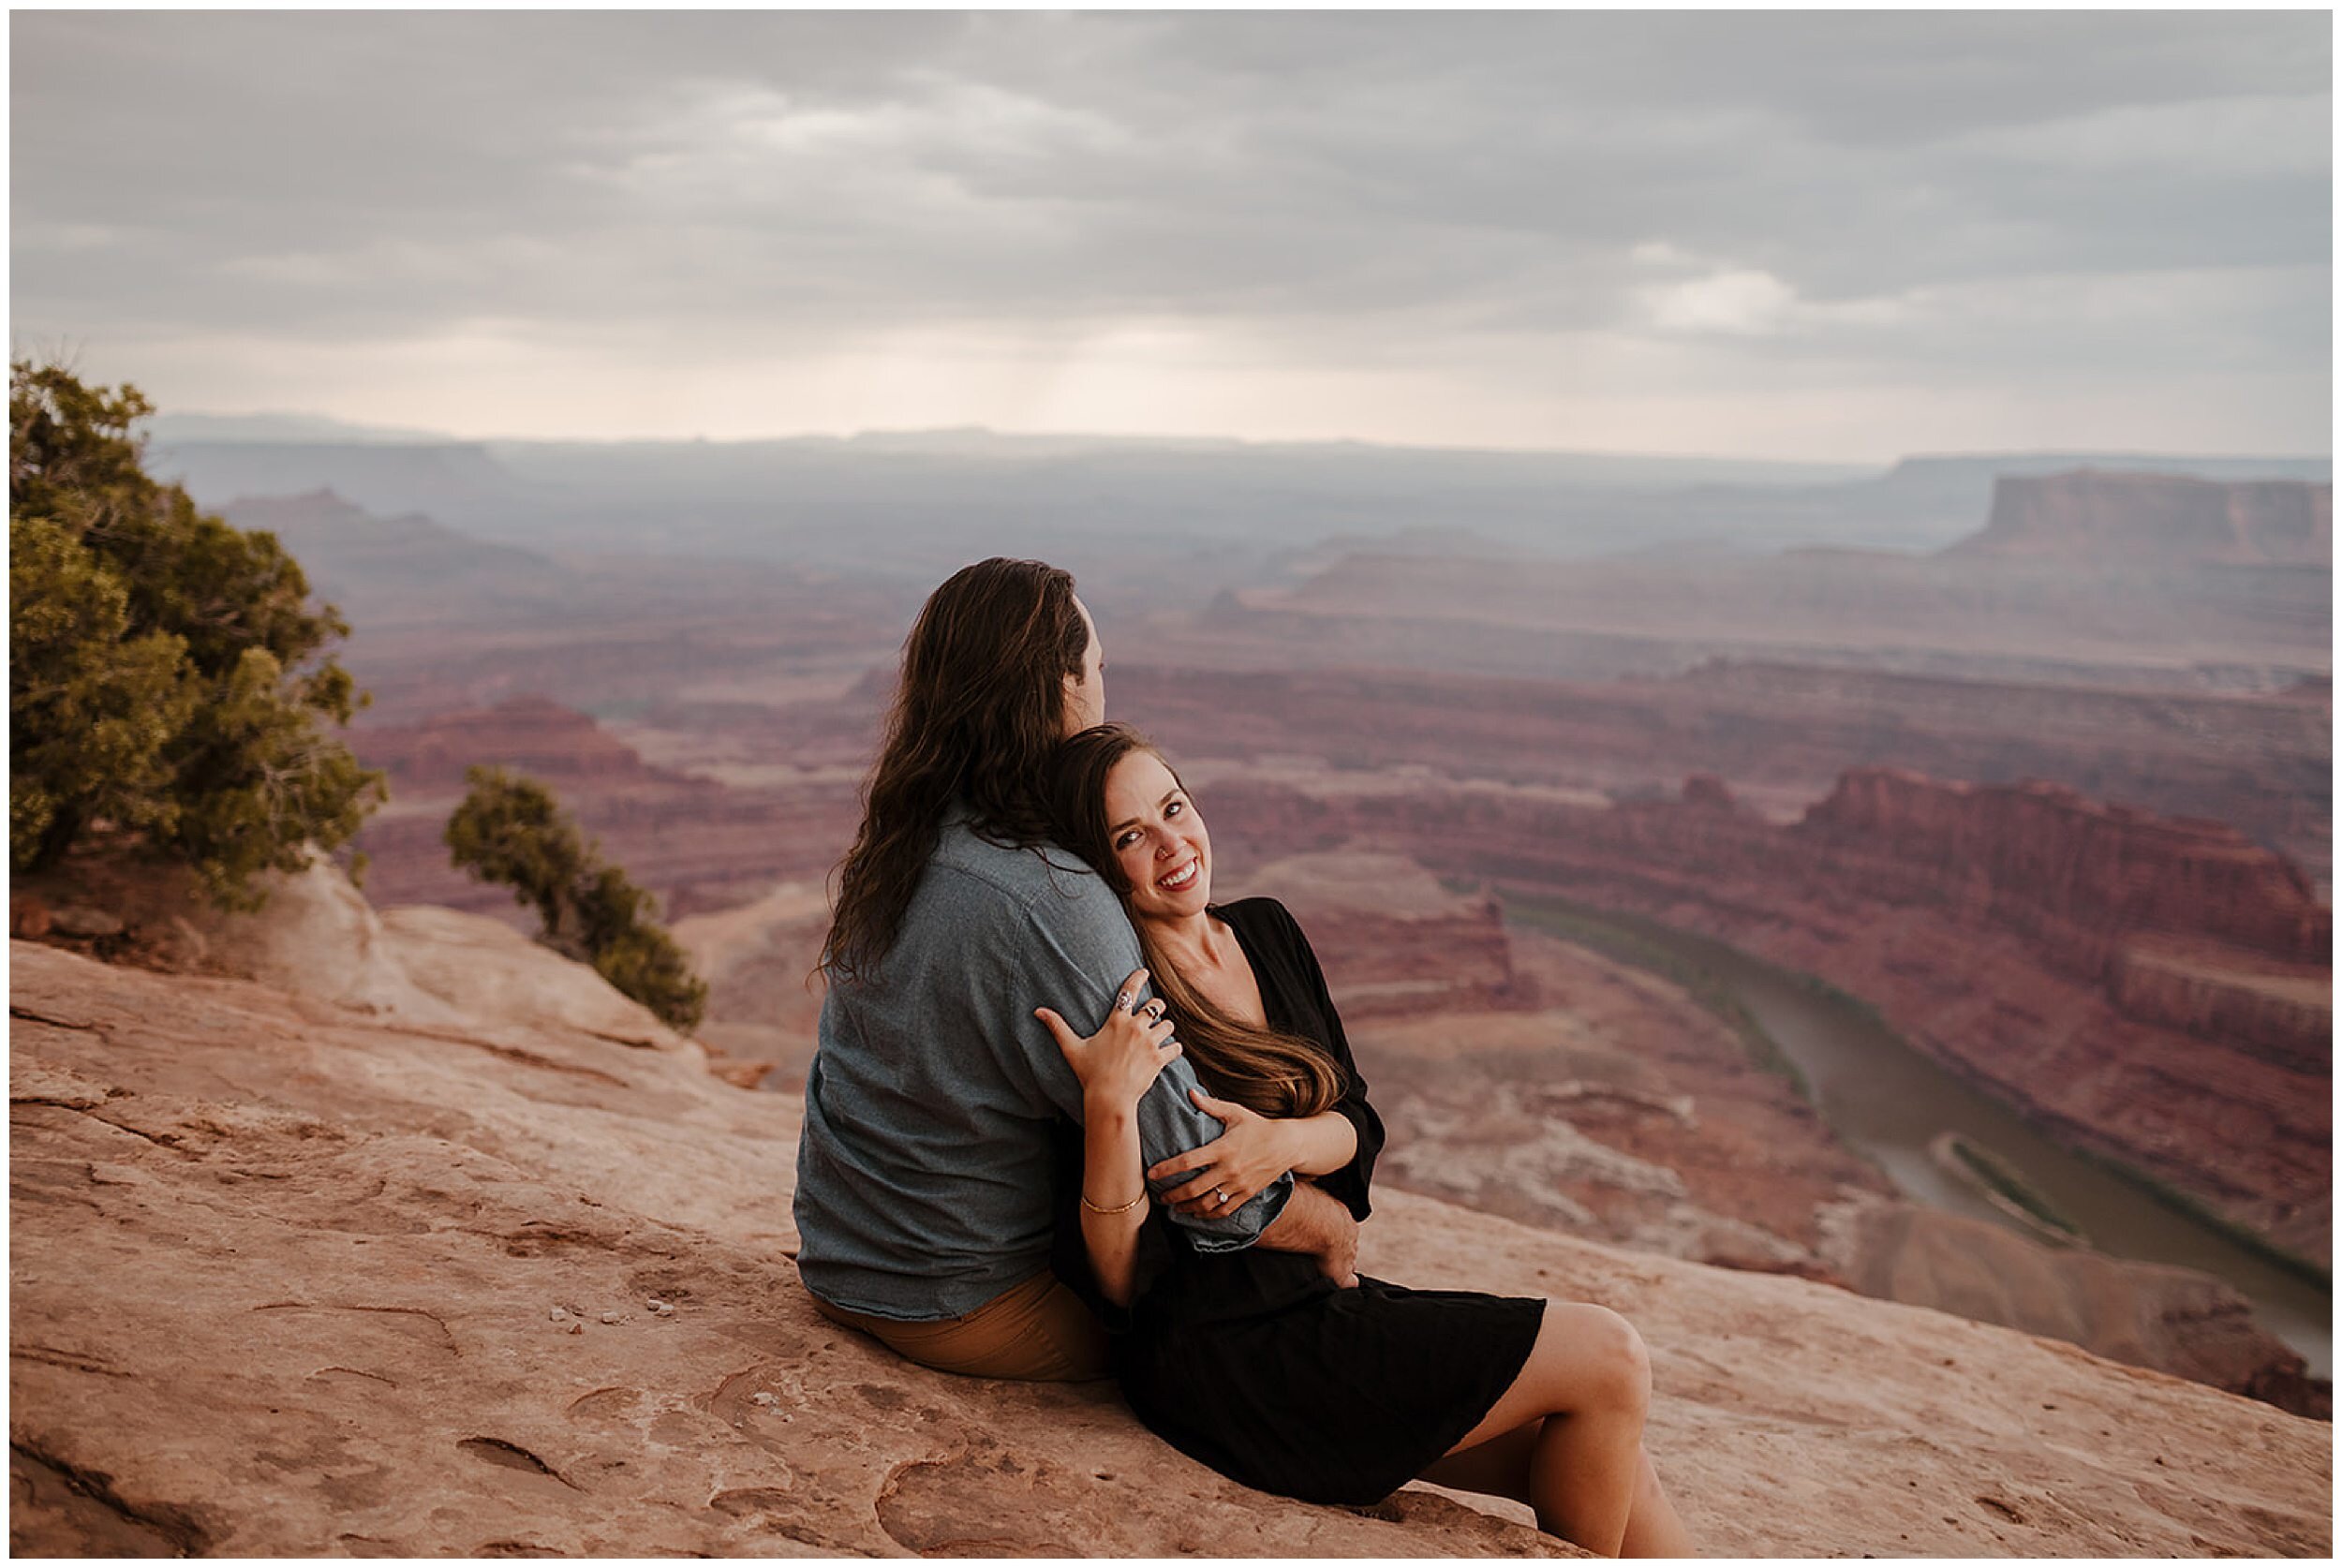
x=1393 y=942
x=2282 y=1015
x=2148 y=520
x=694 y=842
x=535 y=735
x=2005 y=981
x=1619 y=1109
x=1706 y=789
x=2082 y=876
x=1781 y=732
x=2175 y=1320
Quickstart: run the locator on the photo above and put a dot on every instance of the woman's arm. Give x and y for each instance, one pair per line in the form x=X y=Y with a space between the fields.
x=1114 y=1198
x=1116 y=1065
x=1253 y=1151
x=1319 y=1145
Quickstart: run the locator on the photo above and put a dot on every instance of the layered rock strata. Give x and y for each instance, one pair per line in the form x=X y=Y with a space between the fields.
x=1782 y=733
x=1584 y=1095
x=696 y=841
x=2006 y=979
x=2093 y=516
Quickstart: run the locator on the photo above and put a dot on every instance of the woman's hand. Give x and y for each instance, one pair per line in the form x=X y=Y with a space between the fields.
x=1232 y=1167
x=1118 y=1064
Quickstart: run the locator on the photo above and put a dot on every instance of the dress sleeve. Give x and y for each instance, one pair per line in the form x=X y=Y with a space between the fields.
x=1351 y=1182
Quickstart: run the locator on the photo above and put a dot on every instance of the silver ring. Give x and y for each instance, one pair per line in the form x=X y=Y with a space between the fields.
x=1218 y=1194
x=1155 y=1011
x=1125 y=1001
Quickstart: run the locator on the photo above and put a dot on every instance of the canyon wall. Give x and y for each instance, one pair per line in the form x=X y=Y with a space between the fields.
x=1392 y=941
x=1564 y=1089
x=1781 y=732
x=2097 y=517
x=694 y=841
x=2015 y=982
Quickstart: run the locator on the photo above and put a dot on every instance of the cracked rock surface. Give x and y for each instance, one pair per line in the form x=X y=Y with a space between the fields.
x=284 y=1275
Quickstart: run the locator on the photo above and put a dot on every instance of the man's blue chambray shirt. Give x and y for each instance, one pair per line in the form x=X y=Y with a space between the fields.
x=925 y=1169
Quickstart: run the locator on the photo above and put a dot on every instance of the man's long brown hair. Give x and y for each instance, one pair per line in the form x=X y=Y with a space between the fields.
x=1261 y=1068
x=980 y=705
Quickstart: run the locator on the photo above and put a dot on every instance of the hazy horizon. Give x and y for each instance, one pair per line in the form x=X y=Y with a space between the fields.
x=172 y=426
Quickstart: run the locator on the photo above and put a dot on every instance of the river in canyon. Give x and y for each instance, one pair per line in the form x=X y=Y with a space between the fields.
x=1888 y=1101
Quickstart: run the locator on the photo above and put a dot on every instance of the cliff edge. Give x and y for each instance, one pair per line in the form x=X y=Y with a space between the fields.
x=311 y=1270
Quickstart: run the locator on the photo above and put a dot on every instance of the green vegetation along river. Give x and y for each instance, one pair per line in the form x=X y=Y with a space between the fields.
x=1887 y=1102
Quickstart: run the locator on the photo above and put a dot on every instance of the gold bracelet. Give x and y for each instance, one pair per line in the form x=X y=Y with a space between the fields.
x=1124 y=1209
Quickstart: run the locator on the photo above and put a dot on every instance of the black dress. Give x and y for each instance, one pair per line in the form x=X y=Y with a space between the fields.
x=1257 y=1363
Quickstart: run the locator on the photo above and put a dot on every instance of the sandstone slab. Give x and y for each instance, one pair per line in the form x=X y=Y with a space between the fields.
x=285 y=1272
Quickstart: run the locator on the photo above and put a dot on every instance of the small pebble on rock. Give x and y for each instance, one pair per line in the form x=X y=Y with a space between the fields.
x=577 y=1329
x=655 y=1305
x=612 y=1317
x=560 y=1316
x=765 y=1399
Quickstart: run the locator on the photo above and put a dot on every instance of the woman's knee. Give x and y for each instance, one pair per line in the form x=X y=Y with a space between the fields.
x=1599 y=1358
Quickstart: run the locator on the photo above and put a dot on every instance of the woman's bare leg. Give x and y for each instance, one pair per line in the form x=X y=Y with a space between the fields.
x=1653 y=1530
x=1590 y=1377
x=1502 y=1467
x=1497 y=1468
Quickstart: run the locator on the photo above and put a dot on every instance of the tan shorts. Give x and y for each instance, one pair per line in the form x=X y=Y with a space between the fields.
x=1038 y=1331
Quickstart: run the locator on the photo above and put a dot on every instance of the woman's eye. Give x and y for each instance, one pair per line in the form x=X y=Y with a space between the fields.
x=1174 y=809
x=1126 y=841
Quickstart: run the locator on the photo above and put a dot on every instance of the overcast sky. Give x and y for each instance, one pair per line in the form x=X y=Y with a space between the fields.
x=1826 y=235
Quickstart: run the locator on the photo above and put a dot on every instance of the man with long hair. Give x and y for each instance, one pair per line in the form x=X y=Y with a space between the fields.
x=937 y=1105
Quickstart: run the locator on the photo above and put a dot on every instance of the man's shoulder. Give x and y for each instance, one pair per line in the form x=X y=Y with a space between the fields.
x=1035 y=877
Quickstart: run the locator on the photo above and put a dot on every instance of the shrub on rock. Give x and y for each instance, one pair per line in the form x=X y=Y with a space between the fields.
x=168 y=677
x=511 y=831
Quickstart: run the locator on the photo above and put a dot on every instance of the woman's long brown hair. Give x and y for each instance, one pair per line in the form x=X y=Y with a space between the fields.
x=1261 y=1068
x=981 y=706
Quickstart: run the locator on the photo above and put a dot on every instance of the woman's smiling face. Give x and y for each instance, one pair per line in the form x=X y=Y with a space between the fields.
x=1158 y=838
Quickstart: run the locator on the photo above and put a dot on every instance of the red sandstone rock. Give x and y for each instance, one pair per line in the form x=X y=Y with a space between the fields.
x=2224 y=1119
x=1620 y=1110
x=2175 y=1320
x=283 y=1275
x=28 y=916
x=1706 y=789
x=533 y=735
x=2132 y=520
x=1781 y=732
x=1391 y=940
x=2044 y=859
x=694 y=842
x=763 y=1000
x=2282 y=1013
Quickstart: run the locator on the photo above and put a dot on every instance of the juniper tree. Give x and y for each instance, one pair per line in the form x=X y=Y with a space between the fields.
x=510 y=830
x=170 y=683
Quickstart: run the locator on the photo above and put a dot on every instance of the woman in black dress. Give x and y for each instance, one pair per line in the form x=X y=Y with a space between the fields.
x=1275 y=1368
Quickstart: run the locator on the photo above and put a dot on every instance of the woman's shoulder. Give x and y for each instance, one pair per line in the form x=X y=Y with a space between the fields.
x=1265 y=920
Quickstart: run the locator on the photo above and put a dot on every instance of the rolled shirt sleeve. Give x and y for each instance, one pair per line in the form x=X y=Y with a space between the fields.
x=1080 y=951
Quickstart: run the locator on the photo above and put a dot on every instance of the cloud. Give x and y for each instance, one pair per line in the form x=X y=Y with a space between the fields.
x=1746 y=300
x=1397 y=198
